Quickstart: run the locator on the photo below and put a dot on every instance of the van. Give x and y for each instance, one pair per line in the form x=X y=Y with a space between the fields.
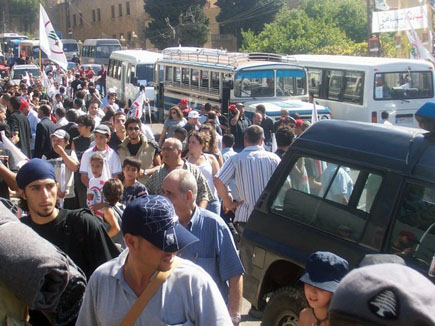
x=351 y=188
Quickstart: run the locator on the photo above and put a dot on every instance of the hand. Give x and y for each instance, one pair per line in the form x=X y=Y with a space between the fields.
x=58 y=149
x=15 y=139
x=232 y=206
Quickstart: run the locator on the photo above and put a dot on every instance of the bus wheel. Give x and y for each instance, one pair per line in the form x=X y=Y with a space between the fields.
x=284 y=307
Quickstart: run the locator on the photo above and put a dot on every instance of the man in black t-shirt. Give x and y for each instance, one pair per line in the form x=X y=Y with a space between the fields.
x=77 y=232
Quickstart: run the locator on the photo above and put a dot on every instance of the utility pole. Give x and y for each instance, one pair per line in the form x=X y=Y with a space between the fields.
x=369 y=25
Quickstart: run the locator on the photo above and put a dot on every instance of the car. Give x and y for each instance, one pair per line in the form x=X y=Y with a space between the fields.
x=347 y=187
x=71 y=65
x=21 y=70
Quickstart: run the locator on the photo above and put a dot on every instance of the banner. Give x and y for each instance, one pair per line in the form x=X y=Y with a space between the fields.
x=397 y=20
x=418 y=51
x=49 y=42
x=381 y=5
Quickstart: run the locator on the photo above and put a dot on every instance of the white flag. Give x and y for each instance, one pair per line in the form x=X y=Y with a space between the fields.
x=49 y=42
x=46 y=82
x=137 y=106
x=314 y=116
x=19 y=157
x=418 y=51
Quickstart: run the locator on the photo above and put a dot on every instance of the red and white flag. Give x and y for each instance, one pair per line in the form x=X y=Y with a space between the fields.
x=136 y=109
x=49 y=42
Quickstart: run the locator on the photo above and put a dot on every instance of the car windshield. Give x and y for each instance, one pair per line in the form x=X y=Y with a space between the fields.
x=17 y=72
x=145 y=72
x=403 y=85
x=70 y=47
x=104 y=51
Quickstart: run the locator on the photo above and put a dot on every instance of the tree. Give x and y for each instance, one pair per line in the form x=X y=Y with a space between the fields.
x=294 y=32
x=236 y=15
x=176 y=23
x=25 y=12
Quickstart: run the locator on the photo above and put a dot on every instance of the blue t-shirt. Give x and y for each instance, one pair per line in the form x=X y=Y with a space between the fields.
x=136 y=190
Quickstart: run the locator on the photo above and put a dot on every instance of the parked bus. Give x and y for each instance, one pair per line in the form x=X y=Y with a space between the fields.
x=219 y=77
x=128 y=69
x=5 y=39
x=98 y=50
x=361 y=88
x=70 y=47
x=30 y=49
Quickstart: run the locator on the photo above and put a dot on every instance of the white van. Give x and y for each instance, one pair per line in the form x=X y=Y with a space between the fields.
x=70 y=47
x=129 y=69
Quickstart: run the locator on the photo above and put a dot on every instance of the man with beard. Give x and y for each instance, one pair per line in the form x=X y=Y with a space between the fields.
x=138 y=146
x=77 y=232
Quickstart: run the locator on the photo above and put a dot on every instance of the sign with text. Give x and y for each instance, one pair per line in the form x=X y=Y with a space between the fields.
x=397 y=20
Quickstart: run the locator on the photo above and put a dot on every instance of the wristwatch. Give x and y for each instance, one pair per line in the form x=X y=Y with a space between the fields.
x=236 y=319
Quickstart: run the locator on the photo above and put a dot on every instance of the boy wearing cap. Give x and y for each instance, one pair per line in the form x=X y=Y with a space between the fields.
x=77 y=232
x=65 y=163
x=324 y=270
x=187 y=296
x=112 y=162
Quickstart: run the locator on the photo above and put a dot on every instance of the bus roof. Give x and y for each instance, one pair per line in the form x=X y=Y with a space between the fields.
x=357 y=62
x=100 y=41
x=136 y=56
x=68 y=41
x=29 y=42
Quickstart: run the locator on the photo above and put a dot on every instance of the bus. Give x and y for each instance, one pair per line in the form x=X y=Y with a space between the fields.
x=361 y=88
x=30 y=49
x=70 y=47
x=5 y=39
x=98 y=50
x=220 y=77
x=128 y=69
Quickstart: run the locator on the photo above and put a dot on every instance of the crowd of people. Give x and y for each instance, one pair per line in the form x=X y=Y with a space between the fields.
x=138 y=213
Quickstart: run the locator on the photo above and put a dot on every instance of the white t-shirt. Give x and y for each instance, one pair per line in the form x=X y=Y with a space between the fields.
x=112 y=163
x=94 y=194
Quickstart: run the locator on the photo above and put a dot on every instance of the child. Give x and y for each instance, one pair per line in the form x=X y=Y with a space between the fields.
x=112 y=191
x=132 y=188
x=95 y=199
x=324 y=270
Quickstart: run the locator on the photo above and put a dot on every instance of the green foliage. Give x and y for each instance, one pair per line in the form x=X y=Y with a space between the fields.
x=236 y=15
x=294 y=32
x=177 y=22
x=24 y=11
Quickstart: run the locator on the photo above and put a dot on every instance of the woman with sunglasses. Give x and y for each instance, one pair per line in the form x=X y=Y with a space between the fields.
x=175 y=120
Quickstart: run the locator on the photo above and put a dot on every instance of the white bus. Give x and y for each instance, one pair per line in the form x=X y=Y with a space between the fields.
x=219 y=77
x=128 y=69
x=30 y=49
x=361 y=88
x=70 y=47
x=98 y=50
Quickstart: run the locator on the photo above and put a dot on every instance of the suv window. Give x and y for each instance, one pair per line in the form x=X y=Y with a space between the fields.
x=413 y=235
x=328 y=196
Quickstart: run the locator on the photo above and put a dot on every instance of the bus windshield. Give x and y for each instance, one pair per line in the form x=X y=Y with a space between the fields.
x=404 y=85
x=145 y=72
x=70 y=47
x=104 y=51
x=261 y=83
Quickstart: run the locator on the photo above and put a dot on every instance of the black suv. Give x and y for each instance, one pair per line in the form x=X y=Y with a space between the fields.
x=347 y=187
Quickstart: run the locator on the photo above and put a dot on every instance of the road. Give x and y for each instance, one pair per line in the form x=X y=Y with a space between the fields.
x=246 y=319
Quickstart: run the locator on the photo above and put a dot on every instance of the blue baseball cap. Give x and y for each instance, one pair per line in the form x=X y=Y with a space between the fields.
x=153 y=218
x=324 y=270
x=35 y=169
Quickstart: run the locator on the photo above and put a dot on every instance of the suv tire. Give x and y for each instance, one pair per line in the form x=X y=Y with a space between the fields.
x=284 y=307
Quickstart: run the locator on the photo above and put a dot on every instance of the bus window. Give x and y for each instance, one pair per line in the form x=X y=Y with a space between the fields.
x=335 y=83
x=145 y=72
x=315 y=81
x=204 y=78
x=169 y=75
x=255 y=83
x=354 y=84
x=404 y=85
x=117 y=70
x=195 y=77
x=177 y=79
x=185 y=76
x=214 y=80
x=130 y=69
x=290 y=82
x=110 y=68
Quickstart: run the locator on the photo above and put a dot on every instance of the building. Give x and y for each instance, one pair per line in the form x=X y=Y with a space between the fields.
x=121 y=19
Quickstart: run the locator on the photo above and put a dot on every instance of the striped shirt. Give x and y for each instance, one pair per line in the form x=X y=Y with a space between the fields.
x=251 y=169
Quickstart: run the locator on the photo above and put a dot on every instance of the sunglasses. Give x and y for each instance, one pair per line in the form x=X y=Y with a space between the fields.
x=133 y=128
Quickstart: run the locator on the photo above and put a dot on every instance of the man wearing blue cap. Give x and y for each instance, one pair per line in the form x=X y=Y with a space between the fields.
x=76 y=232
x=147 y=284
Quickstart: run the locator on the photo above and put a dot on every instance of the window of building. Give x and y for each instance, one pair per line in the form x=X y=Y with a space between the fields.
x=81 y=18
x=98 y=14
x=94 y=17
x=413 y=236
x=332 y=197
x=74 y=20
x=113 y=11
x=120 y=9
x=127 y=8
